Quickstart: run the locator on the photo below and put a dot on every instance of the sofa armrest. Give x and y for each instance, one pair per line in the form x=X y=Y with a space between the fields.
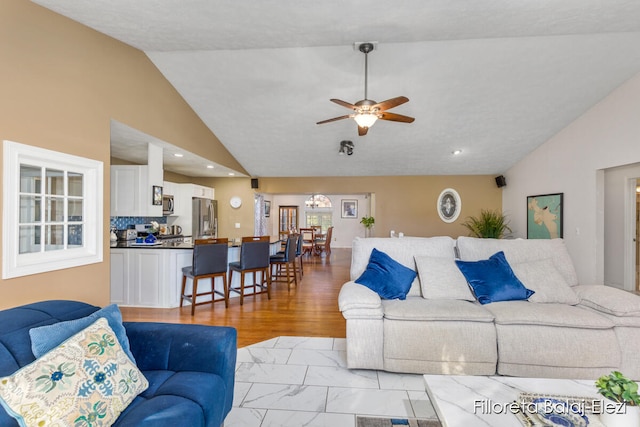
x=609 y=300
x=177 y=347
x=358 y=301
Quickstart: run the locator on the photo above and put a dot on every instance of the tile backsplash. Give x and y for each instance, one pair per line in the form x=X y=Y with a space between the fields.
x=123 y=222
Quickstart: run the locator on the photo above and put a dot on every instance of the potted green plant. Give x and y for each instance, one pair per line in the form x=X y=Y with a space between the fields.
x=368 y=222
x=621 y=390
x=491 y=224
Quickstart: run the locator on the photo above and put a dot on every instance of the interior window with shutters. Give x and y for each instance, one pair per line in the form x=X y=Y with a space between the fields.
x=52 y=210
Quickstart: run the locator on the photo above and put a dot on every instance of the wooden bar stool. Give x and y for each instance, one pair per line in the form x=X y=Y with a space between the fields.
x=254 y=258
x=288 y=261
x=210 y=258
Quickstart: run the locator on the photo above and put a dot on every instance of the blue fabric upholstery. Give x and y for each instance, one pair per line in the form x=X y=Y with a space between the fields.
x=190 y=368
x=386 y=276
x=46 y=338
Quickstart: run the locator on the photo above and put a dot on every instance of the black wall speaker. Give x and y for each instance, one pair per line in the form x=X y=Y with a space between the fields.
x=501 y=181
x=254 y=182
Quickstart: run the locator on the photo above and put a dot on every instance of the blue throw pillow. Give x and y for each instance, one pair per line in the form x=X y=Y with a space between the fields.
x=46 y=338
x=386 y=276
x=492 y=280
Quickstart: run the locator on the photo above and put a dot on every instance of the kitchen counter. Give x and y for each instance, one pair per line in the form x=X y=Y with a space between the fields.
x=131 y=244
x=151 y=275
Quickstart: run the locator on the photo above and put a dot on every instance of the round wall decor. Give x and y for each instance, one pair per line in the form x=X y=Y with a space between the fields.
x=449 y=205
x=235 y=202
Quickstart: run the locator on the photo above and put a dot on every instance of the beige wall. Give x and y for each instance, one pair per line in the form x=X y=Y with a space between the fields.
x=406 y=203
x=61 y=84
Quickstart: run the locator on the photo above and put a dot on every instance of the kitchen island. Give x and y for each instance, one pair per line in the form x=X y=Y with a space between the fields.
x=151 y=275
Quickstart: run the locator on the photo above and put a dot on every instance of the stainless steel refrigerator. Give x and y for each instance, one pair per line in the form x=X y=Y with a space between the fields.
x=204 y=218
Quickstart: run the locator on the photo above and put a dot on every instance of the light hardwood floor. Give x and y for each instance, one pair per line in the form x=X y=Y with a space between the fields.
x=310 y=309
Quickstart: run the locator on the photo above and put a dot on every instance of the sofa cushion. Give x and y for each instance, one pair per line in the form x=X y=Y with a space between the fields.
x=420 y=309
x=176 y=399
x=520 y=250
x=609 y=300
x=493 y=280
x=86 y=377
x=560 y=315
x=46 y=338
x=440 y=278
x=15 y=323
x=387 y=277
x=402 y=250
x=545 y=280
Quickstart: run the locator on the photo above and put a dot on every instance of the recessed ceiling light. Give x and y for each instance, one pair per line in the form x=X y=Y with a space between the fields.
x=231 y=174
x=456 y=152
x=210 y=166
x=178 y=154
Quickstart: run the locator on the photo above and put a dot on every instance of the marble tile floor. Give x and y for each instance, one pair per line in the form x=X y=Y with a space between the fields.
x=298 y=381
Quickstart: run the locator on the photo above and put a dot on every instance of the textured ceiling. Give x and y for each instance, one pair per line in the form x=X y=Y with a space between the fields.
x=494 y=79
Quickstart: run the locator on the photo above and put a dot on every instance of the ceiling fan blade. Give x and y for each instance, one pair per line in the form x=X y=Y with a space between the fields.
x=395 y=117
x=390 y=103
x=334 y=119
x=362 y=131
x=343 y=103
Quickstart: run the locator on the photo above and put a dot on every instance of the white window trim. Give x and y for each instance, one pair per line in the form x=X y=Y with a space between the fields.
x=15 y=264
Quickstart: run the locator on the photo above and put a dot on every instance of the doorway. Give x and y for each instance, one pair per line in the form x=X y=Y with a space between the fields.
x=288 y=220
x=637 y=238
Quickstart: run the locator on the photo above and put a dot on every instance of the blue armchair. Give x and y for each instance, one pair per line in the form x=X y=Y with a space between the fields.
x=190 y=368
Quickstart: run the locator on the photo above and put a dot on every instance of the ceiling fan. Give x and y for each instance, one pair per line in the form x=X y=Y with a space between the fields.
x=366 y=111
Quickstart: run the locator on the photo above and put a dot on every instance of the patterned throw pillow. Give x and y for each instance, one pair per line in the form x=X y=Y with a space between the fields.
x=88 y=380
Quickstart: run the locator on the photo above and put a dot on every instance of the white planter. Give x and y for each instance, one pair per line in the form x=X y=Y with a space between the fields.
x=629 y=419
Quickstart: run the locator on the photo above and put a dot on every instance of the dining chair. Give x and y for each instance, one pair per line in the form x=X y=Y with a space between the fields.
x=299 y=255
x=308 y=240
x=254 y=259
x=286 y=260
x=209 y=261
x=324 y=244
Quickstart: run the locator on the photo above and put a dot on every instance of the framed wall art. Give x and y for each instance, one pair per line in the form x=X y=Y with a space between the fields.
x=267 y=208
x=157 y=195
x=449 y=205
x=544 y=216
x=349 y=209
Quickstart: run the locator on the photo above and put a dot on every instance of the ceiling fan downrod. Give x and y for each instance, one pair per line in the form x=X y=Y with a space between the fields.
x=366 y=48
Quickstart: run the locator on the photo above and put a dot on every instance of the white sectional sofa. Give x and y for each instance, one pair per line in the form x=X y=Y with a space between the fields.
x=564 y=330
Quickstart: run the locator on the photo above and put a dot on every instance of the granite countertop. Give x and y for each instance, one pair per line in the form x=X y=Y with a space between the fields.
x=131 y=244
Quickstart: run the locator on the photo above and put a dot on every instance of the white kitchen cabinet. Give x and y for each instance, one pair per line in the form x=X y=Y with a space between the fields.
x=201 y=191
x=119 y=276
x=132 y=192
x=169 y=188
x=152 y=277
x=148 y=277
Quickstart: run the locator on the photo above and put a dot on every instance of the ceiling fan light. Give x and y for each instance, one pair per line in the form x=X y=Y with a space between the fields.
x=365 y=120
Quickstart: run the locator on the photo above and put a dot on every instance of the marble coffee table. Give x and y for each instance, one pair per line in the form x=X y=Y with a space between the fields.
x=462 y=401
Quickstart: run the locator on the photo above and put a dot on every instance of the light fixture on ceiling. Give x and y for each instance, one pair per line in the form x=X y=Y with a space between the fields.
x=346 y=147
x=456 y=152
x=366 y=112
x=178 y=155
x=210 y=166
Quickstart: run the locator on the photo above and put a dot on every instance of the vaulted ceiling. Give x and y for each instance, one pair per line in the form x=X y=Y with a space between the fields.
x=492 y=78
